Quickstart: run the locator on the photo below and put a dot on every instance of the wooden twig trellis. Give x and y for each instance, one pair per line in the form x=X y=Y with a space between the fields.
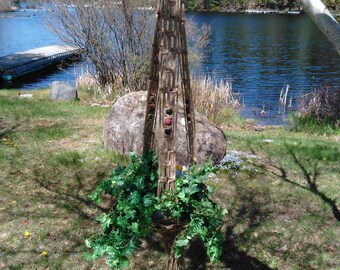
x=169 y=81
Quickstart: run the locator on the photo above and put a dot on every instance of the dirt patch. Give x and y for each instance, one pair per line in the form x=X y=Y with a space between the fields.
x=32 y=124
x=335 y=138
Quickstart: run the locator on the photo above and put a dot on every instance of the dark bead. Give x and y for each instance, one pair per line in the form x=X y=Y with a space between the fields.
x=168 y=131
x=152 y=106
x=168 y=111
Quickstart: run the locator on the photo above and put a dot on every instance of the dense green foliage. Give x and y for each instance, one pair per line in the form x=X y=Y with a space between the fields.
x=136 y=205
x=130 y=218
x=193 y=199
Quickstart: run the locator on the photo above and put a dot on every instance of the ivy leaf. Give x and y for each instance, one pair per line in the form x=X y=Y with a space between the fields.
x=88 y=256
x=96 y=195
x=182 y=243
x=183 y=196
x=120 y=183
x=88 y=243
x=148 y=201
x=134 y=227
x=105 y=221
x=210 y=189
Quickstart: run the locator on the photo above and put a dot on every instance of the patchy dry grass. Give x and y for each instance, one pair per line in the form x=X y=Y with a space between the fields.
x=51 y=157
x=284 y=206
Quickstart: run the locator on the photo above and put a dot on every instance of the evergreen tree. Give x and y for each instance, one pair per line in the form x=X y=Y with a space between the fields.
x=192 y=5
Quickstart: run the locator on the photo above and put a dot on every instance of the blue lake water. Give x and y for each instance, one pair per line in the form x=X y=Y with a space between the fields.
x=263 y=52
x=24 y=31
x=260 y=53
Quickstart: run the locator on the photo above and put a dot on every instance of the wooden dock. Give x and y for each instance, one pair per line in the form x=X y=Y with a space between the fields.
x=22 y=63
x=271 y=11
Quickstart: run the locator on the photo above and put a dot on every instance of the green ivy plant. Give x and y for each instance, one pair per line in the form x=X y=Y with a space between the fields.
x=133 y=189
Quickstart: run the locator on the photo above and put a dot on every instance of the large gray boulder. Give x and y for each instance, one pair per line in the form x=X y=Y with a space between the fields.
x=63 y=91
x=123 y=131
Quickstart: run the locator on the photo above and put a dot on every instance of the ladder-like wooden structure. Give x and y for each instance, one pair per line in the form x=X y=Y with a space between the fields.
x=168 y=83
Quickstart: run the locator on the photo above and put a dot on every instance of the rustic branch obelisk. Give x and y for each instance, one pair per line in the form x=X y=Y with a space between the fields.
x=169 y=82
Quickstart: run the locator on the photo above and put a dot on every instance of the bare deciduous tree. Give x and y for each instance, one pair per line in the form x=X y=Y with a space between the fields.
x=5 y=5
x=324 y=20
x=115 y=36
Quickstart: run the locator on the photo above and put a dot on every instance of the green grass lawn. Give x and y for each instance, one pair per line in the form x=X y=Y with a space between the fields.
x=283 y=205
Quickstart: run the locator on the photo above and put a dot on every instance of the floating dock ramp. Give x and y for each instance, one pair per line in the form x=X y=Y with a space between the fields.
x=22 y=63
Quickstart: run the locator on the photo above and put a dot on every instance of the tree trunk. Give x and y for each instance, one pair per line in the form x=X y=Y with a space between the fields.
x=324 y=20
x=5 y=6
x=172 y=263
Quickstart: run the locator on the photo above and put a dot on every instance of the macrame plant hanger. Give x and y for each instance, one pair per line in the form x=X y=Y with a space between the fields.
x=168 y=83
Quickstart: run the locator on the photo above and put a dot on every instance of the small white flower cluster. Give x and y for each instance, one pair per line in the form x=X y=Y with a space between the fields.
x=234 y=160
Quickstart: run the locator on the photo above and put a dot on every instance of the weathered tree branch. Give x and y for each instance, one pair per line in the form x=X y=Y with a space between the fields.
x=324 y=20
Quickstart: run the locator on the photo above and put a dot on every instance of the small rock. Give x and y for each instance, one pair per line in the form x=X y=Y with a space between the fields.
x=26 y=95
x=259 y=128
x=63 y=91
x=100 y=105
x=151 y=263
x=267 y=140
x=283 y=248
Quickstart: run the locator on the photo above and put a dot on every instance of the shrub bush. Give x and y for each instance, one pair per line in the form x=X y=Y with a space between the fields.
x=318 y=110
x=215 y=100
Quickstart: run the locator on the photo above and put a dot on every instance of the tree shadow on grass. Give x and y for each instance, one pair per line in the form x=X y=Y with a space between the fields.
x=235 y=259
x=311 y=179
x=232 y=258
x=64 y=226
x=74 y=198
x=253 y=212
x=6 y=128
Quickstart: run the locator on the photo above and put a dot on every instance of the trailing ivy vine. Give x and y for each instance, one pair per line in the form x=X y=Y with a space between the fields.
x=135 y=205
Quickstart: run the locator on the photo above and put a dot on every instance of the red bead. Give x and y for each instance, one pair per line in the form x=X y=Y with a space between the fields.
x=168 y=121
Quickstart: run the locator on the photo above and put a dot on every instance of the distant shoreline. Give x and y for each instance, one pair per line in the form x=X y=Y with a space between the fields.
x=14 y=10
x=13 y=15
x=255 y=9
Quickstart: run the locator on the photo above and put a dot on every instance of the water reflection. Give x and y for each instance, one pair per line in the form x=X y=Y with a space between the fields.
x=25 y=31
x=263 y=52
x=259 y=52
